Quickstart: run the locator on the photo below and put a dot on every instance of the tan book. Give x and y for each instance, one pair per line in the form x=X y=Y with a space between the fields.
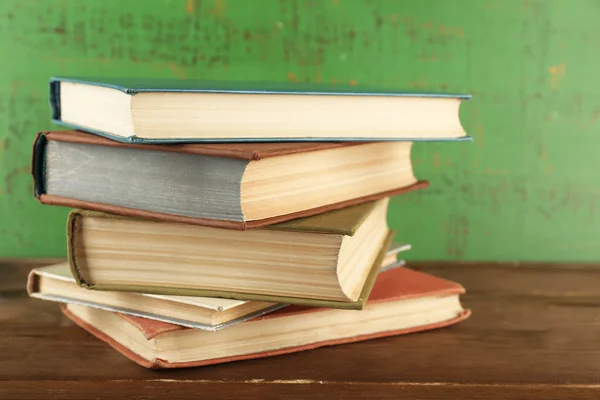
x=328 y=260
x=56 y=283
x=403 y=301
x=164 y=111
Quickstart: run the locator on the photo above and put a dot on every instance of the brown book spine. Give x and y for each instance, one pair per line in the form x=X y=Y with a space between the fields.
x=72 y=235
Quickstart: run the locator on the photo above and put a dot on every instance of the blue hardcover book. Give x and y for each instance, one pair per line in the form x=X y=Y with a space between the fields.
x=141 y=111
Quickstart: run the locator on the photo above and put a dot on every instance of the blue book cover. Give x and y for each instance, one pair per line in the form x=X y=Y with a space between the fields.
x=252 y=111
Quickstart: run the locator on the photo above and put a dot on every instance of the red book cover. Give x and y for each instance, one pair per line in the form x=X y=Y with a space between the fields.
x=392 y=285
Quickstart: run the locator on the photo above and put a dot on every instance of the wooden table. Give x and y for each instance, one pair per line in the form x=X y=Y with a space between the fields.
x=534 y=333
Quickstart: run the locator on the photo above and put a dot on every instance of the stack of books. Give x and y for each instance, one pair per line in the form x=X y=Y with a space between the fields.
x=213 y=224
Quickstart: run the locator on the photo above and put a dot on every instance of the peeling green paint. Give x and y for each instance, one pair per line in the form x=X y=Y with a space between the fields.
x=526 y=189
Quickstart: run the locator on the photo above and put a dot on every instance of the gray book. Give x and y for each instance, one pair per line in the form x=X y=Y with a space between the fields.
x=236 y=186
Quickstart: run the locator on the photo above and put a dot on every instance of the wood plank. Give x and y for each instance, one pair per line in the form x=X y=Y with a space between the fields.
x=298 y=389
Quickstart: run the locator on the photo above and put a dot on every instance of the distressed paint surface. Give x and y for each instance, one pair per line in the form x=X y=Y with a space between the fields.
x=527 y=188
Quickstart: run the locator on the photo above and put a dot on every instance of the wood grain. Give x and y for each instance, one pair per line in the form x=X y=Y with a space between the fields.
x=190 y=389
x=533 y=334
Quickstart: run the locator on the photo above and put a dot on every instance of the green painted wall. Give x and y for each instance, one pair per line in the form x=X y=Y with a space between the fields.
x=527 y=188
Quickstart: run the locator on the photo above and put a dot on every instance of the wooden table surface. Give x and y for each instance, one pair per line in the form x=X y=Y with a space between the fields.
x=534 y=333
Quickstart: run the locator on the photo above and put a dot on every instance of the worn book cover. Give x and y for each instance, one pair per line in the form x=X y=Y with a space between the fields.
x=341 y=222
x=247 y=152
x=343 y=105
x=396 y=285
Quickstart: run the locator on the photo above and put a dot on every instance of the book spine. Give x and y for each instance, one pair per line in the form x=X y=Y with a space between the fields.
x=38 y=164
x=72 y=220
x=54 y=87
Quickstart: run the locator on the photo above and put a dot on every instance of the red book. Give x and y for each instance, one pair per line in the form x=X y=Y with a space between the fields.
x=402 y=301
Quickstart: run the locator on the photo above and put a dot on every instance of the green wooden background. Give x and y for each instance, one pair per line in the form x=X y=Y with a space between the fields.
x=527 y=188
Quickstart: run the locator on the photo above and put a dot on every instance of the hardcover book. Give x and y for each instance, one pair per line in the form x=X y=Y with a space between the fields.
x=233 y=186
x=169 y=111
x=328 y=260
x=403 y=301
x=56 y=283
